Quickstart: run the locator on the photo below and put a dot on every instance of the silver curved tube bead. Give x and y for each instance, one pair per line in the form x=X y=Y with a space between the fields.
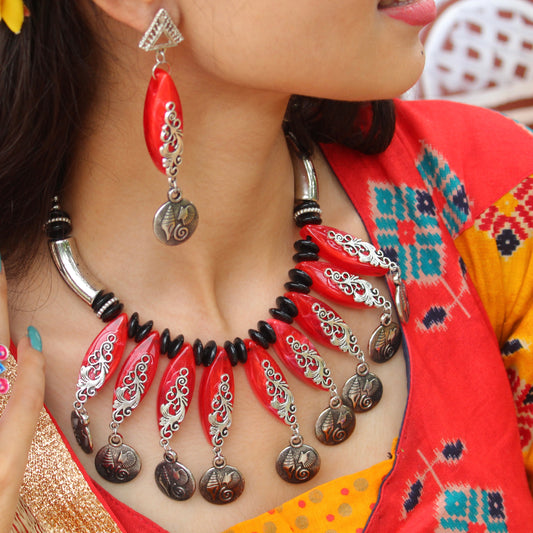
x=305 y=181
x=66 y=257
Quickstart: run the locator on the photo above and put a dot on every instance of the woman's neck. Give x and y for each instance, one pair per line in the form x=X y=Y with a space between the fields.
x=236 y=170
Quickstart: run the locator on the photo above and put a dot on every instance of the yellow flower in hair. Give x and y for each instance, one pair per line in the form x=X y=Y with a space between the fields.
x=12 y=13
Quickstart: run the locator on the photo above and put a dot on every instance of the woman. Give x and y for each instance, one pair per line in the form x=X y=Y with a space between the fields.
x=78 y=85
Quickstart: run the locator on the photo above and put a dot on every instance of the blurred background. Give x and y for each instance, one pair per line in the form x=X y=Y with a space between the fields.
x=481 y=52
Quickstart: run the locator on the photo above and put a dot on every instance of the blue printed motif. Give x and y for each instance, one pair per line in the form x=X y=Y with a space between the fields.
x=437 y=174
x=407 y=218
x=463 y=507
x=408 y=231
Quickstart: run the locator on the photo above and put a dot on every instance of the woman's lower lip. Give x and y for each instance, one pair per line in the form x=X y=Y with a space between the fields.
x=413 y=12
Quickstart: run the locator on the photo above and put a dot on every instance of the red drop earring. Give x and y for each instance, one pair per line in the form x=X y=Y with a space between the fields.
x=176 y=220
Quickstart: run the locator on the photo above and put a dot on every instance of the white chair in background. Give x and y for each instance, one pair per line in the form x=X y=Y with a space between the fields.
x=481 y=52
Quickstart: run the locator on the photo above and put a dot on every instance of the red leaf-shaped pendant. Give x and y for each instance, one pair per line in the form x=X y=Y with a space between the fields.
x=217 y=391
x=343 y=249
x=163 y=121
x=300 y=356
x=102 y=358
x=342 y=286
x=135 y=377
x=175 y=392
x=269 y=383
x=322 y=323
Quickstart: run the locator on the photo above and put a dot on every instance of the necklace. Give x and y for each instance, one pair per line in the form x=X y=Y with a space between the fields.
x=329 y=261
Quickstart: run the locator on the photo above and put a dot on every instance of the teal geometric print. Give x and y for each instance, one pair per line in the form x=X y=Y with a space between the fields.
x=407 y=219
x=464 y=508
x=408 y=230
x=438 y=176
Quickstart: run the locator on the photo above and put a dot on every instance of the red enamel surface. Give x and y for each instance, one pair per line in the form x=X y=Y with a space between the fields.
x=209 y=388
x=184 y=360
x=119 y=328
x=148 y=347
x=324 y=285
x=285 y=352
x=161 y=90
x=307 y=318
x=335 y=253
x=256 y=374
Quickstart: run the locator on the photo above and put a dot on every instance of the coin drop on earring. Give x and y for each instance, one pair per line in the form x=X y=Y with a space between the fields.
x=117 y=462
x=363 y=390
x=335 y=424
x=221 y=484
x=298 y=463
x=385 y=342
x=175 y=479
x=175 y=221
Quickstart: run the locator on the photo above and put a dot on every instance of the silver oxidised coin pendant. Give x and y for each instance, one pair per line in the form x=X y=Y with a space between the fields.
x=385 y=342
x=221 y=484
x=117 y=462
x=80 y=426
x=363 y=390
x=175 y=479
x=335 y=424
x=298 y=463
x=175 y=221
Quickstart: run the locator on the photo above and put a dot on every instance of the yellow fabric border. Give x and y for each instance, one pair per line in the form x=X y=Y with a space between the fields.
x=344 y=504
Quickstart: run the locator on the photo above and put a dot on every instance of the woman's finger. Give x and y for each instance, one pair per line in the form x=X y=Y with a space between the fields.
x=17 y=426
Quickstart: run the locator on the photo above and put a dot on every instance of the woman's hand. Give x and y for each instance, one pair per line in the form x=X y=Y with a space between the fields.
x=17 y=423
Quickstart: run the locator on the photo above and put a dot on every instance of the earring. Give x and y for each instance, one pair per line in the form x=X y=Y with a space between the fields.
x=176 y=220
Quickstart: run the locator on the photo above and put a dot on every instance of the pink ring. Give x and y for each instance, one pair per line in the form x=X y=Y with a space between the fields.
x=4 y=385
x=4 y=352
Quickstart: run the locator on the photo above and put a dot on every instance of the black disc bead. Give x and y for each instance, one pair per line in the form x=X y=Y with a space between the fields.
x=198 y=351
x=58 y=230
x=175 y=346
x=267 y=331
x=112 y=312
x=258 y=338
x=297 y=287
x=133 y=325
x=287 y=306
x=305 y=256
x=299 y=276
x=164 y=342
x=240 y=348
x=308 y=218
x=306 y=245
x=278 y=314
x=232 y=352
x=144 y=331
x=101 y=299
x=209 y=353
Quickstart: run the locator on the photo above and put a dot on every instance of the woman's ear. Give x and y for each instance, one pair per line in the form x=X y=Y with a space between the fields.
x=137 y=14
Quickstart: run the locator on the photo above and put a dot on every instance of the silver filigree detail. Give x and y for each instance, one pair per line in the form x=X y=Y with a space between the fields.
x=364 y=251
x=314 y=365
x=161 y=25
x=93 y=374
x=338 y=331
x=172 y=139
x=129 y=395
x=173 y=411
x=220 y=416
x=282 y=399
x=359 y=289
